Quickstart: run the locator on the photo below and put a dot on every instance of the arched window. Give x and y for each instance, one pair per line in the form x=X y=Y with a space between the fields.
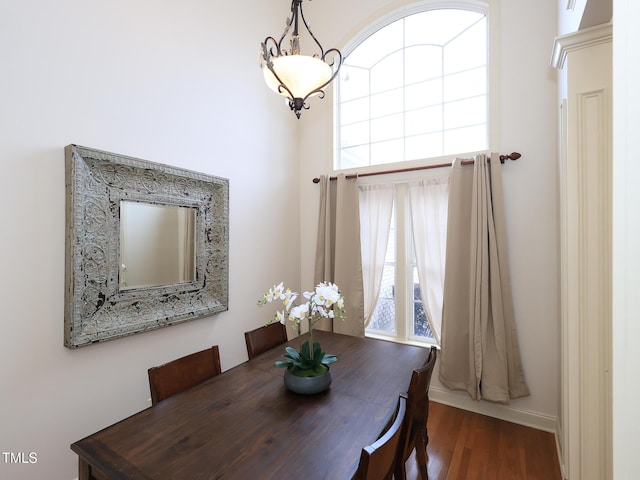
x=417 y=88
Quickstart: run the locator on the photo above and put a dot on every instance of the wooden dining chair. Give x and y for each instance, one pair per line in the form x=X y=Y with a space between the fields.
x=265 y=338
x=414 y=430
x=185 y=372
x=377 y=460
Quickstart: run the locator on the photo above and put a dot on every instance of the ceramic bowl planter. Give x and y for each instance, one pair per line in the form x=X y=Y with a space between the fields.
x=307 y=385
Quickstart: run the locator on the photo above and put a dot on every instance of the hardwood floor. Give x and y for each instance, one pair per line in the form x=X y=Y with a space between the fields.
x=468 y=446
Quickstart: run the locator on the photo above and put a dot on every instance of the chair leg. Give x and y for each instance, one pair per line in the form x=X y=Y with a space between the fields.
x=421 y=455
x=400 y=471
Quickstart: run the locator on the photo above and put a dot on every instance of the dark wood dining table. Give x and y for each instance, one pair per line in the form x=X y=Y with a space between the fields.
x=244 y=424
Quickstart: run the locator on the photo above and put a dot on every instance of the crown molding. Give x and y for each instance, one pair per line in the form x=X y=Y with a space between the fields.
x=587 y=37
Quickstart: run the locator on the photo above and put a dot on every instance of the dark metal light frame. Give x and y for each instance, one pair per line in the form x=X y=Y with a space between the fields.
x=271 y=49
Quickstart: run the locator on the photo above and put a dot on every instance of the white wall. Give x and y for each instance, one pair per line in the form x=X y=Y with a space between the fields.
x=528 y=124
x=171 y=82
x=569 y=18
x=626 y=238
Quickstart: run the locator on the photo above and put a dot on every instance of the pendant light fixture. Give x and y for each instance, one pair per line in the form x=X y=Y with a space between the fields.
x=292 y=74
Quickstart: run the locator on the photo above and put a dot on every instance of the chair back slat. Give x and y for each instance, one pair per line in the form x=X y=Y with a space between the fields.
x=265 y=338
x=178 y=375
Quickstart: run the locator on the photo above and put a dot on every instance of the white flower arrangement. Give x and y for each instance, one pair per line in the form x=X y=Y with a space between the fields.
x=325 y=301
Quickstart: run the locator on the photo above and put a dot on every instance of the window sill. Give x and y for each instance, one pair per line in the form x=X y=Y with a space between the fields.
x=415 y=343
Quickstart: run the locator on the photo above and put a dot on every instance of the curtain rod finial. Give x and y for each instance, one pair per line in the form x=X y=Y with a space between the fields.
x=316 y=180
x=512 y=156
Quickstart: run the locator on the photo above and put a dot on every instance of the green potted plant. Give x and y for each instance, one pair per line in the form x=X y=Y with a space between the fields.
x=307 y=370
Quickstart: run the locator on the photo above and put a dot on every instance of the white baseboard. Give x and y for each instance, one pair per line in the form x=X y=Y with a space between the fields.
x=503 y=412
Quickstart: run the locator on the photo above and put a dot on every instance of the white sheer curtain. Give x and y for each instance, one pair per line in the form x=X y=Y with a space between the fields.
x=428 y=205
x=376 y=206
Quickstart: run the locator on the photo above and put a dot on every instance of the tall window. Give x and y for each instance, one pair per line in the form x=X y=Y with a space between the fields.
x=399 y=312
x=409 y=299
x=415 y=89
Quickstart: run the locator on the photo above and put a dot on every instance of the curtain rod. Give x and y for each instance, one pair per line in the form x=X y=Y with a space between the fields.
x=503 y=158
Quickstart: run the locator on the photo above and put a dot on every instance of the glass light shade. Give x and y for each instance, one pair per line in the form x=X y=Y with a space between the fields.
x=300 y=73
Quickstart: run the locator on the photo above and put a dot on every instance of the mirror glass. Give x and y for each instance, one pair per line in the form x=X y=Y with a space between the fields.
x=157 y=245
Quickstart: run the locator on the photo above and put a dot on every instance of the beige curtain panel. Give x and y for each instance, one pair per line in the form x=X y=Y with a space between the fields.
x=338 y=257
x=480 y=352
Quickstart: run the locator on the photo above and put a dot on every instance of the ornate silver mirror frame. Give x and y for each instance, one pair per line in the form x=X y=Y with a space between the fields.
x=96 y=308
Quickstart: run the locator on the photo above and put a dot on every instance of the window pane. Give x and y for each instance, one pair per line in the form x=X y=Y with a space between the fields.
x=387 y=128
x=423 y=94
x=354 y=156
x=470 y=139
x=422 y=62
x=386 y=40
x=438 y=26
x=387 y=103
x=354 y=134
x=354 y=83
x=425 y=120
x=421 y=326
x=468 y=50
x=354 y=111
x=424 y=146
x=384 y=316
x=466 y=84
x=387 y=152
x=463 y=113
x=387 y=74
